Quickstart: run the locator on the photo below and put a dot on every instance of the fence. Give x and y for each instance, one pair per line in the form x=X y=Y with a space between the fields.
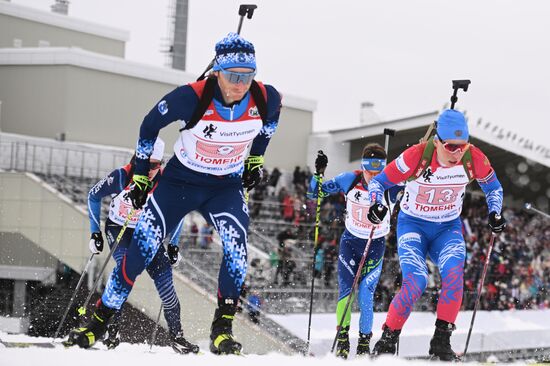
x=50 y=157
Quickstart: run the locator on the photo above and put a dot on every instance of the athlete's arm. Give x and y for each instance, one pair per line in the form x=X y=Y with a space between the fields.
x=114 y=183
x=487 y=180
x=179 y=104
x=397 y=171
x=259 y=145
x=340 y=183
x=395 y=193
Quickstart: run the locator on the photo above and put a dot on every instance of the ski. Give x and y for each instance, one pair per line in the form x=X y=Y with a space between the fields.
x=27 y=344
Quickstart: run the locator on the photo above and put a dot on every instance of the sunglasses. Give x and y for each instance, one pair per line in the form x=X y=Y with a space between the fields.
x=453 y=148
x=238 y=77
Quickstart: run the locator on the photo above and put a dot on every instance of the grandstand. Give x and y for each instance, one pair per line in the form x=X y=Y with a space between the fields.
x=50 y=156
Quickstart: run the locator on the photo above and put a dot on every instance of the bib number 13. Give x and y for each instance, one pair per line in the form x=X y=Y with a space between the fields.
x=436 y=195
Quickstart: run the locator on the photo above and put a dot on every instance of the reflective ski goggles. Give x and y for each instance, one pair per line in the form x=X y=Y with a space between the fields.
x=373 y=164
x=453 y=148
x=238 y=77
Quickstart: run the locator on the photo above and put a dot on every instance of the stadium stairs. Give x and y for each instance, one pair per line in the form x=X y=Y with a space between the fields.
x=51 y=216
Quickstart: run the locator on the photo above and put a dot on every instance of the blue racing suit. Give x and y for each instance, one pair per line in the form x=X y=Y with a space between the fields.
x=159 y=269
x=204 y=175
x=353 y=243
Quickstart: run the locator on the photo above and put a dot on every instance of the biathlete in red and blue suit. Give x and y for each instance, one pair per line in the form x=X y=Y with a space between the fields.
x=437 y=173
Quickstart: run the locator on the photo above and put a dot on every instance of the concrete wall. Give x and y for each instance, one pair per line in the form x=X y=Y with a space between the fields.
x=289 y=146
x=31 y=208
x=33 y=100
x=105 y=108
x=31 y=32
x=88 y=105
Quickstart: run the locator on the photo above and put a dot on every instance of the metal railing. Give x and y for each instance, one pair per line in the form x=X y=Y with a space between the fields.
x=50 y=157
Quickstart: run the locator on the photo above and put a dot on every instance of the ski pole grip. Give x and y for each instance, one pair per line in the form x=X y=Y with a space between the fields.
x=247 y=9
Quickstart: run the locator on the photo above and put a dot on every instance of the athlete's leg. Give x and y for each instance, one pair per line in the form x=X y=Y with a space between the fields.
x=349 y=256
x=448 y=251
x=170 y=201
x=111 y=232
x=160 y=272
x=370 y=276
x=228 y=212
x=412 y=247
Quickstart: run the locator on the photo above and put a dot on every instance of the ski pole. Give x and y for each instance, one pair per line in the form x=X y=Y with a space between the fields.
x=82 y=309
x=489 y=250
x=154 y=335
x=80 y=281
x=315 y=244
x=244 y=10
x=529 y=206
x=355 y=281
x=388 y=132
x=457 y=84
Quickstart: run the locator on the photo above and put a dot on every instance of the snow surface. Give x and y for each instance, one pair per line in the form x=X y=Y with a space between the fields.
x=492 y=331
x=137 y=355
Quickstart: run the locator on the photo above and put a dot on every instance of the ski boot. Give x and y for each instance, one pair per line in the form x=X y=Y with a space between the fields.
x=388 y=342
x=363 y=345
x=221 y=332
x=93 y=330
x=181 y=345
x=112 y=337
x=342 y=345
x=440 y=345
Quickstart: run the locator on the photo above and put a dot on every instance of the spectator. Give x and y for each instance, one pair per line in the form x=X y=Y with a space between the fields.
x=319 y=261
x=194 y=234
x=273 y=181
x=254 y=306
x=205 y=236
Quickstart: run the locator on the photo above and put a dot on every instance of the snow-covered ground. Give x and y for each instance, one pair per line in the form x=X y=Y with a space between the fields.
x=138 y=355
x=493 y=331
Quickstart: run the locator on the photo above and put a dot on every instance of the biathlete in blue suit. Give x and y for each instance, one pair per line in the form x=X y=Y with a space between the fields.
x=116 y=185
x=354 y=240
x=226 y=124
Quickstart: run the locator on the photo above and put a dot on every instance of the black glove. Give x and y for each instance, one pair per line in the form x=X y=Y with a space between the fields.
x=174 y=255
x=497 y=222
x=96 y=243
x=377 y=212
x=253 y=169
x=139 y=190
x=321 y=163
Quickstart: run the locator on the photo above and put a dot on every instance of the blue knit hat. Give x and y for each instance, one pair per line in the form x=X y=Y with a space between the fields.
x=452 y=125
x=234 y=51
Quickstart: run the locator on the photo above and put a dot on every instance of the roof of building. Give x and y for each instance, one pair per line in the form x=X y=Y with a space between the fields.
x=116 y=65
x=63 y=21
